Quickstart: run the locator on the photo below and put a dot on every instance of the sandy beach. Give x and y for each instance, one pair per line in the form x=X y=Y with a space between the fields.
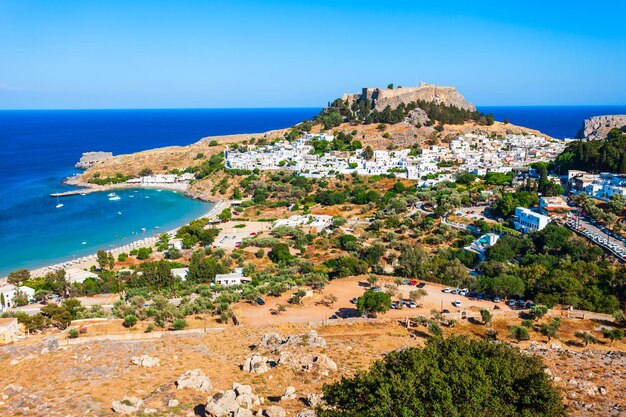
x=86 y=262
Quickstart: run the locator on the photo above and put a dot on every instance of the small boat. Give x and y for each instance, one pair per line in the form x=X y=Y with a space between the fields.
x=84 y=243
x=59 y=205
x=147 y=196
x=111 y=195
x=143 y=229
x=115 y=198
x=119 y=212
x=175 y=192
x=131 y=196
x=83 y=193
x=159 y=191
x=157 y=227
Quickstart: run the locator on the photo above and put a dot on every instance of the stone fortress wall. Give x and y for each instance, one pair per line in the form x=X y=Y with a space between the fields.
x=382 y=98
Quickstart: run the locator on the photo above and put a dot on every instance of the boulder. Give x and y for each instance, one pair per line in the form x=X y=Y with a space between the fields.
x=129 y=405
x=314 y=399
x=323 y=365
x=289 y=394
x=173 y=403
x=275 y=411
x=243 y=412
x=308 y=362
x=257 y=364
x=222 y=404
x=271 y=341
x=306 y=413
x=194 y=379
x=145 y=361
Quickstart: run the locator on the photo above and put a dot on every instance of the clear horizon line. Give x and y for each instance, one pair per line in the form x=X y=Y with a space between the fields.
x=279 y=107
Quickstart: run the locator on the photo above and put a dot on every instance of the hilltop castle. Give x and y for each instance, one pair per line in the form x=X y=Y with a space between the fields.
x=392 y=97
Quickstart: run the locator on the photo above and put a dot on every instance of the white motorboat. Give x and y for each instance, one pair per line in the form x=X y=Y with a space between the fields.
x=59 y=205
x=115 y=198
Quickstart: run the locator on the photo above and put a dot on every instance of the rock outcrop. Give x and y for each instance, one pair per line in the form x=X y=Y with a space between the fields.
x=289 y=394
x=597 y=127
x=145 y=361
x=127 y=406
x=236 y=402
x=194 y=379
x=392 y=97
x=308 y=362
x=275 y=342
x=89 y=159
x=257 y=364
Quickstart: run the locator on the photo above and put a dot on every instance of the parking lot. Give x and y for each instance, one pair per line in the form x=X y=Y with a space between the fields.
x=598 y=235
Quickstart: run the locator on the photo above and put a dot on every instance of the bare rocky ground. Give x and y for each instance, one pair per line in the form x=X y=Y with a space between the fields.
x=276 y=370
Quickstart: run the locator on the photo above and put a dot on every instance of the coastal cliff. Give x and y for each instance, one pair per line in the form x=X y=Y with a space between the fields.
x=393 y=97
x=597 y=127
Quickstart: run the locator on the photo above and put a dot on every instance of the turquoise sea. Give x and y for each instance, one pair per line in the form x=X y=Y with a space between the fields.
x=39 y=148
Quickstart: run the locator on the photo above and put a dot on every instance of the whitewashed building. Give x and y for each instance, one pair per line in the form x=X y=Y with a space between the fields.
x=527 y=221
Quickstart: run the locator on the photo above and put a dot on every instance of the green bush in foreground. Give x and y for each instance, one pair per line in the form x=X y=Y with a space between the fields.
x=448 y=377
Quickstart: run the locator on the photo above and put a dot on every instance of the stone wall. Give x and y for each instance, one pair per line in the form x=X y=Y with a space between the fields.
x=382 y=98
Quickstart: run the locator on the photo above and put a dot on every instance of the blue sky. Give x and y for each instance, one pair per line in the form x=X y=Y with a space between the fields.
x=172 y=54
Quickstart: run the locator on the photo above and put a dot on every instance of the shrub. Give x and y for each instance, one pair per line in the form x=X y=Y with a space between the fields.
x=72 y=333
x=179 y=324
x=448 y=377
x=130 y=320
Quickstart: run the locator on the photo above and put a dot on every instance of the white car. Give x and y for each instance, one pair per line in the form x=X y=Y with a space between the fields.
x=456 y=303
x=447 y=290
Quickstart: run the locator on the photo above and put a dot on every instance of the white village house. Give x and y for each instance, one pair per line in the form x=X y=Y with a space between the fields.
x=8 y=293
x=527 y=221
x=233 y=278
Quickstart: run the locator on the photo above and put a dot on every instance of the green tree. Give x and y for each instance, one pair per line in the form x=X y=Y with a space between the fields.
x=179 y=324
x=537 y=312
x=72 y=333
x=519 y=333
x=586 y=338
x=550 y=330
x=372 y=280
x=18 y=277
x=73 y=306
x=104 y=259
x=368 y=152
x=373 y=302
x=434 y=329
x=448 y=377
x=130 y=321
x=417 y=295
x=486 y=316
x=280 y=253
x=613 y=334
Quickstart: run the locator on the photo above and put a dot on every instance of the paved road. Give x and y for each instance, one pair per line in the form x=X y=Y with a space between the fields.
x=600 y=231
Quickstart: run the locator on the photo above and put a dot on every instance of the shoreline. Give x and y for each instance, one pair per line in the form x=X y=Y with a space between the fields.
x=87 y=261
x=88 y=188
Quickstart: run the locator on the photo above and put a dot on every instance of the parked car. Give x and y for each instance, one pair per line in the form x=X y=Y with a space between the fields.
x=511 y=303
x=521 y=303
x=447 y=290
x=421 y=285
x=456 y=303
x=497 y=299
x=354 y=300
x=394 y=305
x=260 y=301
x=445 y=311
x=412 y=304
